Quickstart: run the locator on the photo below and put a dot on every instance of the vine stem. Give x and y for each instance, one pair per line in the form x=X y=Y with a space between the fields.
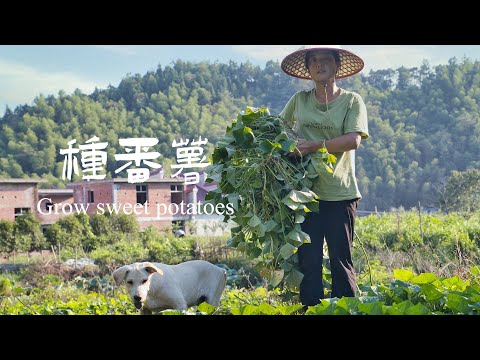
x=366 y=257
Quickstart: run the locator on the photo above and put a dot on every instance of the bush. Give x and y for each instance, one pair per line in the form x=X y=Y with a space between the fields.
x=121 y=253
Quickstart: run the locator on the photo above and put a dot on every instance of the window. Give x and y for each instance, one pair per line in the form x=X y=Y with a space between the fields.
x=91 y=199
x=21 y=211
x=176 y=188
x=142 y=197
x=176 y=194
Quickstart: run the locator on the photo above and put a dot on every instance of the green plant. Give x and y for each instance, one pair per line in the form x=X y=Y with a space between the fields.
x=267 y=191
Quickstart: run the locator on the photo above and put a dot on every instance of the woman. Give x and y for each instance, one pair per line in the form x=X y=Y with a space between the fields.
x=335 y=119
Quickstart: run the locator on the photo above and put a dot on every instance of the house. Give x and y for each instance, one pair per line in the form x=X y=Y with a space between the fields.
x=49 y=201
x=17 y=197
x=157 y=201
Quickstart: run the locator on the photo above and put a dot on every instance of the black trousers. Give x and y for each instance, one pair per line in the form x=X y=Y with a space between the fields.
x=334 y=222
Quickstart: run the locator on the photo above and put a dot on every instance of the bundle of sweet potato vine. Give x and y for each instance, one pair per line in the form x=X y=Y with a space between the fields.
x=269 y=190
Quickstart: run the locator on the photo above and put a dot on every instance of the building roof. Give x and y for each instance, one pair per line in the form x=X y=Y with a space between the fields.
x=55 y=191
x=21 y=181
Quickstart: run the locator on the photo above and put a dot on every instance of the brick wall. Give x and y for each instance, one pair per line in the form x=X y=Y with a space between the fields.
x=125 y=193
x=157 y=193
x=102 y=193
x=16 y=196
x=58 y=200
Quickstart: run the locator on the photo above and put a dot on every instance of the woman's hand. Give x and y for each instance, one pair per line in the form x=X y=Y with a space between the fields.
x=305 y=147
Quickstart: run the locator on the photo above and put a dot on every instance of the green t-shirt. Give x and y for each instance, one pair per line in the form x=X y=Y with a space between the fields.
x=311 y=121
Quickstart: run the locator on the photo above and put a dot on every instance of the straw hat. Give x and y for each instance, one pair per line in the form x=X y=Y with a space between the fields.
x=294 y=64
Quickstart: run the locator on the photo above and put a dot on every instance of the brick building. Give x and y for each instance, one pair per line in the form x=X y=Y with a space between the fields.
x=162 y=195
x=18 y=196
x=51 y=201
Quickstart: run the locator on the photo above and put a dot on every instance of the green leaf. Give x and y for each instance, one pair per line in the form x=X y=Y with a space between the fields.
x=267 y=247
x=425 y=278
x=375 y=308
x=403 y=275
x=234 y=241
x=455 y=283
x=294 y=238
x=287 y=266
x=457 y=303
x=475 y=270
x=294 y=278
x=267 y=146
x=289 y=309
x=219 y=155
x=288 y=145
x=287 y=250
x=277 y=277
x=281 y=136
x=399 y=308
x=299 y=218
x=206 y=308
x=245 y=310
x=301 y=196
x=407 y=308
x=348 y=304
x=326 y=307
x=332 y=159
x=214 y=177
x=267 y=309
x=259 y=230
x=431 y=292
x=254 y=221
x=233 y=199
x=418 y=309
x=231 y=177
x=270 y=225
x=242 y=246
x=171 y=312
x=291 y=204
x=243 y=136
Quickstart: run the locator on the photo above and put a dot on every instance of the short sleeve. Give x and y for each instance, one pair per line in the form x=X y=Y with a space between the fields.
x=288 y=112
x=356 y=119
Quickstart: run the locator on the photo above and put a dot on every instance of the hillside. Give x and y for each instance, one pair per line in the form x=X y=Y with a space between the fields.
x=424 y=122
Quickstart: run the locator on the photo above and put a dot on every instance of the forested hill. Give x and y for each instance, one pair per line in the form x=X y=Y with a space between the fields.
x=424 y=122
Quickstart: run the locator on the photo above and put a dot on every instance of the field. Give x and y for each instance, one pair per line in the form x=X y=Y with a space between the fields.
x=405 y=264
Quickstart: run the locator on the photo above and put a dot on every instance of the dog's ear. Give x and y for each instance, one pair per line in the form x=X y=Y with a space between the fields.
x=120 y=274
x=152 y=268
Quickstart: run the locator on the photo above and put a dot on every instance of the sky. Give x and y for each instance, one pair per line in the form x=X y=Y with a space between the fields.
x=27 y=71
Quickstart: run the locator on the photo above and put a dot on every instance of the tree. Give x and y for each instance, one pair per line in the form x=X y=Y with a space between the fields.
x=126 y=224
x=462 y=191
x=7 y=240
x=28 y=234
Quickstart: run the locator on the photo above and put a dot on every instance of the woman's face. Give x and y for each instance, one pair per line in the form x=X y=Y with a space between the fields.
x=321 y=65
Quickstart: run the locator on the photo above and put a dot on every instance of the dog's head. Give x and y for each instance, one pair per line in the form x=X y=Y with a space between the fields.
x=137 y=276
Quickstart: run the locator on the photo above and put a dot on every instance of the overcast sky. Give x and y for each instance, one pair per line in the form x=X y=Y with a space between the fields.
x=28 y=70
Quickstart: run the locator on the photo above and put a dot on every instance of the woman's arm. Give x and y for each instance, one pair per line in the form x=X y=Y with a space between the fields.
x=342 y=143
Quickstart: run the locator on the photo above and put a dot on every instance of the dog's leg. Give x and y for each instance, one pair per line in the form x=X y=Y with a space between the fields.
x=144 y=311
x=218 y=290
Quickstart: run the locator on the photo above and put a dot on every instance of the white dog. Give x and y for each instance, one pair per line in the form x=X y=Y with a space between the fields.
x=157 y=286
